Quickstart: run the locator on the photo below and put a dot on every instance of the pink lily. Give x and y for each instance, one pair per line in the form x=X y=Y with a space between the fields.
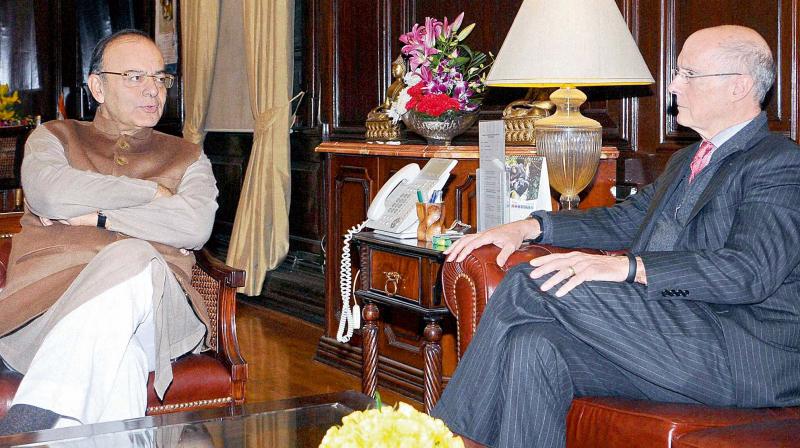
x=453 y=27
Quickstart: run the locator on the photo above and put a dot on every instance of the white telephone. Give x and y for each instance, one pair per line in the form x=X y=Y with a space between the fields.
x=392 y=213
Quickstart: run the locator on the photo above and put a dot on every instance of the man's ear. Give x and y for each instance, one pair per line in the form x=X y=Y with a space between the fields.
x=742 y=87
x=97 y=88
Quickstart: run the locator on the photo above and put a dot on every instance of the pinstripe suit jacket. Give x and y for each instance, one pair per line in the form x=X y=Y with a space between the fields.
x=738 y=256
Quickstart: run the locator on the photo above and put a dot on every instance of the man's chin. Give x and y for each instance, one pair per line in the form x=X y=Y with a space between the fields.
x=148 y=121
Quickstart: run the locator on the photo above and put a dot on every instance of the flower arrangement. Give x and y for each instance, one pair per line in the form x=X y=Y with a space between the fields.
x=7 y=102
x=445 y=76
x=8 y=113
x=389 y=427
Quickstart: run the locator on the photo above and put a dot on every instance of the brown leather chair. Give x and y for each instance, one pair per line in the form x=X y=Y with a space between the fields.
x=214 y=378
x=616 y=422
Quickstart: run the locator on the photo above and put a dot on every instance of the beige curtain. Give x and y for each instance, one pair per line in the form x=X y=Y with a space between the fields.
x=199 y=28
x=260 y=238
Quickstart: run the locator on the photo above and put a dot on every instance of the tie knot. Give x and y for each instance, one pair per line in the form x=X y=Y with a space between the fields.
x=701 y=158
x=705 y=148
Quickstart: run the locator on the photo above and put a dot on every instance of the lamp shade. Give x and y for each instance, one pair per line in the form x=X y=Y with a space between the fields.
x=553 y=43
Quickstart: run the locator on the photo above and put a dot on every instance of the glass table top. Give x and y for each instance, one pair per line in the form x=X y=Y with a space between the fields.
x=297 y=422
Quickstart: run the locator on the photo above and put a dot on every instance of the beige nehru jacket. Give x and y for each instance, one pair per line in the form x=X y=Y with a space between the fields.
x=73 y=168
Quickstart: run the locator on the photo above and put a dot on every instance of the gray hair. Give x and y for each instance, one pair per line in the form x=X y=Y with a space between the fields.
x=754 y=60
x=96 y=62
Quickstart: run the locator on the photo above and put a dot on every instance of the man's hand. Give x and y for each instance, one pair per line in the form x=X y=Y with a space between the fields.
x=508 y=237
x=162 y=192
x=83 y=220
x=578 y=267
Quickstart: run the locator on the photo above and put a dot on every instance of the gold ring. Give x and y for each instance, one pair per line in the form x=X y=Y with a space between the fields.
x=571 y=271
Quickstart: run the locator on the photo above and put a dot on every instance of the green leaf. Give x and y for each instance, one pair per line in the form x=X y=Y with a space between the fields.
x=465 y=32
x=461 y=60
x=378 y=401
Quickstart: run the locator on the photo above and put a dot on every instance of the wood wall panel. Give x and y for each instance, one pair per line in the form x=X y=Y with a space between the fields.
x=356 y=44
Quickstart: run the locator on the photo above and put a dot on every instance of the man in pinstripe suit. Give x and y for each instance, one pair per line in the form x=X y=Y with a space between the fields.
x=705 y=309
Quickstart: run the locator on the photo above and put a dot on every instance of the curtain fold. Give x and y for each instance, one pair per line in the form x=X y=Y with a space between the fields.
x=260 y=238
x=199 y=29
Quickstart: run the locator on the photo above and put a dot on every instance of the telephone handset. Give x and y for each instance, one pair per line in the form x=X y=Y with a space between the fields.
x=392 y=213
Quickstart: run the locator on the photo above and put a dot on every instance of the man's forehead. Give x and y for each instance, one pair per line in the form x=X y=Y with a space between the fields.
x=133 y=52
x=698 y=53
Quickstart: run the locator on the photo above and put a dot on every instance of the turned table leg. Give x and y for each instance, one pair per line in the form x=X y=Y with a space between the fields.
x=369 y=349
x=433 y=364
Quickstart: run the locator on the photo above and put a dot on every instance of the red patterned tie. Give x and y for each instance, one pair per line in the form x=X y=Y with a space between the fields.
x=701 y=158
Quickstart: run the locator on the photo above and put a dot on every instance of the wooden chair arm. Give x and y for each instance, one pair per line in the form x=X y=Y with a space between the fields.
x=227 y=350
x=467 y=285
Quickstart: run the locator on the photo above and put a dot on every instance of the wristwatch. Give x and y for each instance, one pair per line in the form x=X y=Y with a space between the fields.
x=541 y=228
x=101 y=220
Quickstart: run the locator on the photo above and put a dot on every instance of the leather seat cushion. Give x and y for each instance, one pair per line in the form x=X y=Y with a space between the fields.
x=9 y=382
x=771 y=434
x=196 y=378
x=605 y=421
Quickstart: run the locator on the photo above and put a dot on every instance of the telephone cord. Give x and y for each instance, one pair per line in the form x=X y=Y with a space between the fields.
x=350 y=319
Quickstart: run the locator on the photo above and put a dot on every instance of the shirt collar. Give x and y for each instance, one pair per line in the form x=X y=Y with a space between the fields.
x=110 y=128
x=726 y=134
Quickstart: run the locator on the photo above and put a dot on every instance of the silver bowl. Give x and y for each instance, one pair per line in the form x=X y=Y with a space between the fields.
x=439 y=132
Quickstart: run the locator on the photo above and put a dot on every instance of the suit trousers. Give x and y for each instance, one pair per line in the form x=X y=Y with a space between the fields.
x=533 y=353
x=93 y=365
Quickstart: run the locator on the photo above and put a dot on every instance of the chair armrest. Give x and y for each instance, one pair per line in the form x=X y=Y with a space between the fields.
x=223 y=292
x=467 y=285
x=5 y=252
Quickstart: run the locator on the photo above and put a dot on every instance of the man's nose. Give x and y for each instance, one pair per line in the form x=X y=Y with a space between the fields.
x=150 y=88
x=672 y=87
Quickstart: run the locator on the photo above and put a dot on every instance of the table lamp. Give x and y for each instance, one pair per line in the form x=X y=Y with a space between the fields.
x=566 y=44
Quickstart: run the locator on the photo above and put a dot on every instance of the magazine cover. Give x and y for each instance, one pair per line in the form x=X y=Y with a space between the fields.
x=528 y=185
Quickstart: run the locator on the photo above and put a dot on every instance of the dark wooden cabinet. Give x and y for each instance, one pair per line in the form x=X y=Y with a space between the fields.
x=353 y=175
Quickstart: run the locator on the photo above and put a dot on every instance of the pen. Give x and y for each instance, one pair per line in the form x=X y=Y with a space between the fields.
x=433 y=196
x=419 y=196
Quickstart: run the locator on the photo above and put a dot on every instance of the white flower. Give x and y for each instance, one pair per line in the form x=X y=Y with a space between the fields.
x=411 y=79
x=399 y=106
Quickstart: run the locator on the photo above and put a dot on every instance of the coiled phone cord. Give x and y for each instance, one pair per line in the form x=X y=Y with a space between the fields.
x=350 y=319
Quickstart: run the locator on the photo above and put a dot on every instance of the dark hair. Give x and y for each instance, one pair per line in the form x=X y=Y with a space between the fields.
x=96 y=63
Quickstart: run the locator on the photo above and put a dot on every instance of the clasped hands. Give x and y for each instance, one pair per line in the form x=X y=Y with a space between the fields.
x=574 y=267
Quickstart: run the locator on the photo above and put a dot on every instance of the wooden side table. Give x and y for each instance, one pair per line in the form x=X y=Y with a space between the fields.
x=401 y=274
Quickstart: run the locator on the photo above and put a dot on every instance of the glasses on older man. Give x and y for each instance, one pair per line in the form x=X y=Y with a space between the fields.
x=686 y=75
x=135 y=78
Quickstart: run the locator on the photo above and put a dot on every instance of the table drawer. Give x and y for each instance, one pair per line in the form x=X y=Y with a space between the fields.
x=401 y=276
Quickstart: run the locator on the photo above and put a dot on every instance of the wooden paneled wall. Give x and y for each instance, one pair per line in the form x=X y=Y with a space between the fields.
x=354 y=43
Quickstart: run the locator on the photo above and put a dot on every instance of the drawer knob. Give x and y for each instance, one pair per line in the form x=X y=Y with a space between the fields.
x=392 y=279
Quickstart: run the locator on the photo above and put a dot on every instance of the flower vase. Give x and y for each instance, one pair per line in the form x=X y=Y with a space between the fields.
x=442 y=129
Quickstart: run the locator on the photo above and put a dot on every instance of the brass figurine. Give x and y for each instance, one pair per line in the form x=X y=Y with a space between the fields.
x=520 y=116
x=380 y=127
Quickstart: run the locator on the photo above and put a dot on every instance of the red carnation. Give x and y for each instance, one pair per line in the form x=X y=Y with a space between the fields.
x=435 y=105
x=416 y=94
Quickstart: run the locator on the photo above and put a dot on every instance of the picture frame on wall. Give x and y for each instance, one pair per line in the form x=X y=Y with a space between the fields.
x=166 y=32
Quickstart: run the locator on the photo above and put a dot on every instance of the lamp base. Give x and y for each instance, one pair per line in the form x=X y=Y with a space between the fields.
x=571 y=144
x=569 y=202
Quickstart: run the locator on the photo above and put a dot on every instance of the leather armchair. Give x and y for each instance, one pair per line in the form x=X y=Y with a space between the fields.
x=215 y=378
x=617 y=422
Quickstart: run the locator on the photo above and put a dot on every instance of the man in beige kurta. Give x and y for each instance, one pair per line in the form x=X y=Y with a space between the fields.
x=99 y=276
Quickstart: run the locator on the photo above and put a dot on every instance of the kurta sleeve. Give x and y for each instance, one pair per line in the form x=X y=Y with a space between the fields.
x=183 y=220
x=55 y=190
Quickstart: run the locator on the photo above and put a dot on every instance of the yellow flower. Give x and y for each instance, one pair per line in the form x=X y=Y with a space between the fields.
x=7 y=103
x=391 y=428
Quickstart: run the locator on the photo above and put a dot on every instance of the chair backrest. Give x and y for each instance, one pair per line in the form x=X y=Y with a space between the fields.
x=209 y=289
x=12 y=148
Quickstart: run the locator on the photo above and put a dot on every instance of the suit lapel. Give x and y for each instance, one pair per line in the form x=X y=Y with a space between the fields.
x=726 y=167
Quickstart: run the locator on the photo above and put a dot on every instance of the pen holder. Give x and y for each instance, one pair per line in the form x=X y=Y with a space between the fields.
x=431 y=220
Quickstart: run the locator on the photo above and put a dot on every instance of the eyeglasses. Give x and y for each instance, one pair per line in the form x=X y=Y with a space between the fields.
x=686 y=75
x=135 y=78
